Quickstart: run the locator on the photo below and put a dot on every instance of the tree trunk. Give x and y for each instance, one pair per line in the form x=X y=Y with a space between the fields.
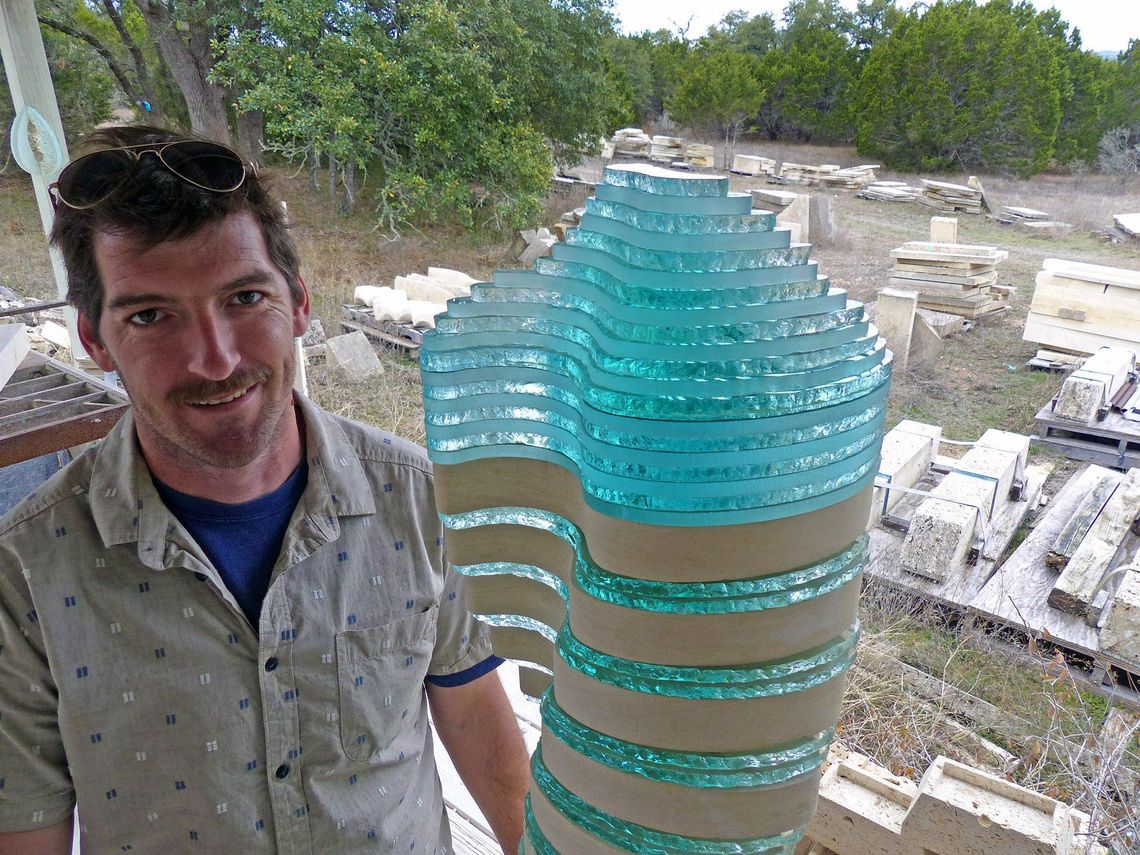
x=349 y=178
x=142 y=73
x=251 y=135
x=332 y=181
x=185 y=46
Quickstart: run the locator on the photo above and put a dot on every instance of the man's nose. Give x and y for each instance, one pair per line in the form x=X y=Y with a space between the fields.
x=213 y=348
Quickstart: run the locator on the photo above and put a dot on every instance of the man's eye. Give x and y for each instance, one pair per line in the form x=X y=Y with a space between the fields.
x=248 y=298
x=145 y=318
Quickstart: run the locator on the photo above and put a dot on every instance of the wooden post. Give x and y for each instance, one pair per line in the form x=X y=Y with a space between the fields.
x=29 y=80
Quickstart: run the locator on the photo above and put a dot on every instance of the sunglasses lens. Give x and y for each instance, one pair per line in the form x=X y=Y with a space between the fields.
x=207 y=165
x=91 y=178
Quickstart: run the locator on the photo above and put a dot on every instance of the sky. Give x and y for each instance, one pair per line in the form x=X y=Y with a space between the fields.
x=1105 y=25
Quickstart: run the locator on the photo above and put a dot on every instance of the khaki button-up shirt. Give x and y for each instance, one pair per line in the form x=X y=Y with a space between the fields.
x=131 y=680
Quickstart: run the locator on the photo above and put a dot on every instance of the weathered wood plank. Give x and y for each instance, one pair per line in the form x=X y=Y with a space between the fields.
x=14 y=346
x=1083 y=517
x=1074 y=588
x=1016 y=594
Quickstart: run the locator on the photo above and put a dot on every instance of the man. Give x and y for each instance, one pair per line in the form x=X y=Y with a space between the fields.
x=216 y=627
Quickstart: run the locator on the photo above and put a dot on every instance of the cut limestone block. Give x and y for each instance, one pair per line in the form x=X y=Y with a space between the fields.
x=537 y=246
x=925 y=343
x=943 y=229
x=908 y=450
x=353 y=354
x=387 y=304
x=1120 y=635
x=420 y=287
x=861 y=807
x=798 y=212
x=1088 y=390
x=456 y=277
x=963 y=811
x=1078 y=525
x=773 y=200
x=1128 y=223
x=894 y=316
x=945 y=526
x=943 y=323
x=14 y=346
x=1074 y=589
x=821 y=220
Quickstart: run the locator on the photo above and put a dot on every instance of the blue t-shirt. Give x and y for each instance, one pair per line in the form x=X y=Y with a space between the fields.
x=243 y=541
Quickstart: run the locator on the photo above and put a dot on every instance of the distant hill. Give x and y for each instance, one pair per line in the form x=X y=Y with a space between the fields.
x=1107 y=54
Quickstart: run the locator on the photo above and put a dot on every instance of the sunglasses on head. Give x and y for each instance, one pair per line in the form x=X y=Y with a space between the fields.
x=88 y=180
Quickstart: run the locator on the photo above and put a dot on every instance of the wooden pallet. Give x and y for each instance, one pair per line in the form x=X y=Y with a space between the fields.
x=47 y=405
x=387 y=333
x=1113 y=442
x=1017 y=594
x=959 y=588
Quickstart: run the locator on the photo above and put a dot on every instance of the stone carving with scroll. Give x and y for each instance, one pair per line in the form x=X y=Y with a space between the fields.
x=654 y=455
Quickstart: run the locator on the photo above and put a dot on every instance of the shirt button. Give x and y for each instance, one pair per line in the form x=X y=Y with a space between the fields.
x=271 y=663
x=282 y=771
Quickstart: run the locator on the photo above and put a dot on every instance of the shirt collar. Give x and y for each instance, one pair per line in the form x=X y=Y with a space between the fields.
x=126 y=507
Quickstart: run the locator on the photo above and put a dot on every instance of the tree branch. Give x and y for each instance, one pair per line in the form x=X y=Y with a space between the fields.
x=100 y=49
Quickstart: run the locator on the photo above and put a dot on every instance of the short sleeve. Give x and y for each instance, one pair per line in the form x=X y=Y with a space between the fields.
x=35 y=787
x=462 y=641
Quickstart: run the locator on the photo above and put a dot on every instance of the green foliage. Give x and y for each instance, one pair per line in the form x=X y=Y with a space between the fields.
x=719 y=91
x=737 y=31
x=1122 y=109
x=453 y=107
x=961 y=87
x=808 y=85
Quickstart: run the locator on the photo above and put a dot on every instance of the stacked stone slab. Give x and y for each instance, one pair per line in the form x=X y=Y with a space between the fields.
x=908 y=450
x=654 y=454
x=748 y=164
x=864 y=809
x=1081 y=307
x=946 y=525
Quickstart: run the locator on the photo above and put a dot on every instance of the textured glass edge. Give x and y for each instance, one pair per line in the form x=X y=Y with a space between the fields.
x=711 y=438
x=549 y=382
x=701 y=294
x=730 y=596
x=513 y=621
x=697 y=770
x=725 y=597
x=687 y=261
x=649 y=262
x=683 y=224
x=771 y=679
x=599 y=378
x=632 y=837
x=584 y=312
x=664 y=185
x=610 y=351
x=523 y=571
x=586 y=458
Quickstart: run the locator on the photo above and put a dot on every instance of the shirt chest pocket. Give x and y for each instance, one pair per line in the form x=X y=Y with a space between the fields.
x=380 y=672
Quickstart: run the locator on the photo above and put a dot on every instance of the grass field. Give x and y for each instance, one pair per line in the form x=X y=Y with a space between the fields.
x=980 y=381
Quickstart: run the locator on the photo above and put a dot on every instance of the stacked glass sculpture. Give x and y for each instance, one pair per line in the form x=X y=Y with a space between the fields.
x=654 y=455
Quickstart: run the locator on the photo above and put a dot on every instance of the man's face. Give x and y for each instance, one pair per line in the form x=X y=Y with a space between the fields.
x=201 y=332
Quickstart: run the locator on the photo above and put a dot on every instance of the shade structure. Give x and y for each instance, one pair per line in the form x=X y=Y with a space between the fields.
x=654 y=455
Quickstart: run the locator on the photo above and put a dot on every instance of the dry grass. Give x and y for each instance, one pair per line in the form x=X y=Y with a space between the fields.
x=978 y=382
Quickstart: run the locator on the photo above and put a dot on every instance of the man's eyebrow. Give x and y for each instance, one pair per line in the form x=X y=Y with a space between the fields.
x=127 y=301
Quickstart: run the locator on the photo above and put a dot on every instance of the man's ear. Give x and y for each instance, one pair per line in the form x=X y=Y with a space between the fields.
x=301 y=309
x=92 y=343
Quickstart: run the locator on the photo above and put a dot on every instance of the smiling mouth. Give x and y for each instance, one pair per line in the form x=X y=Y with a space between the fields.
x=214 y=402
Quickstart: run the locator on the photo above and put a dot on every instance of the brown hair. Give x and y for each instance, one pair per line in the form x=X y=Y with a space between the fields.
x=153 y=205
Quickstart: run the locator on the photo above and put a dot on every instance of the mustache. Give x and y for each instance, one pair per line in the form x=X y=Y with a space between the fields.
x=204 y=390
